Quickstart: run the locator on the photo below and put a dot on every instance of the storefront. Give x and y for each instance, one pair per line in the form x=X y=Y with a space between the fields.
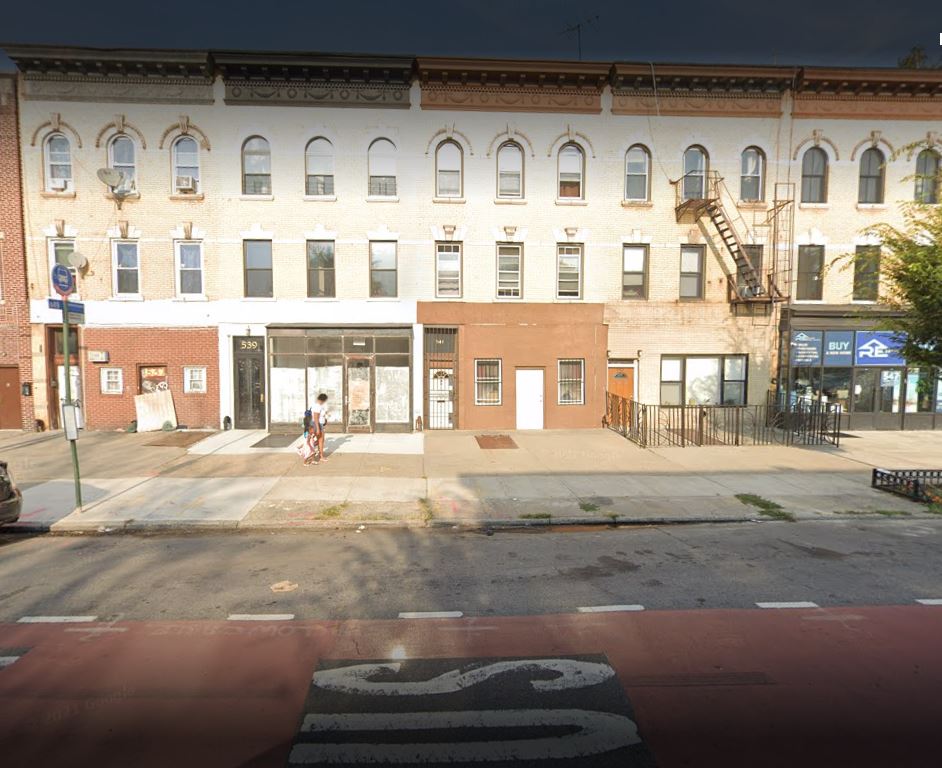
x=366 y=373
x=862 y=369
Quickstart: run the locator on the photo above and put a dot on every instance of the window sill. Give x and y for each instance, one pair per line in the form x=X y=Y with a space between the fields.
x=814 y=206
x=637 y=204
x=508 y=298
x=865 y=302
x=194 y=297
x=112 y=394
x=563 y=201
x=449 y=200
x=809 y=301
x=258 y=298
x=184 y=196
x=125 y=198
x=307 y=198
x=322 y=299
x=690 y=299
x=53 y=195
x=565 y=404
x=488 y=405
x=383 y=298
x=567 y=299
x=382 y=198
x=261 y=198
x=510 y=201
x=194 y=393
x=872 y=206
x=754 y=205
x=127 y=297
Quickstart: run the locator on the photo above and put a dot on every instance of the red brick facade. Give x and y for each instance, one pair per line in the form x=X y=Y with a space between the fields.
x=14 y=302
x=129 y=349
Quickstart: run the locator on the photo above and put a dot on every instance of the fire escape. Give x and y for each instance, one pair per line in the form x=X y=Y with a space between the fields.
x=752 y=284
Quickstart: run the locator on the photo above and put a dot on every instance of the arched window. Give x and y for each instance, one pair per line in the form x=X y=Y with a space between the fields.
x=814 y=176
x=319 y=167
x=571 y=171
x=871 y=177
x=637 y=173
x=510 y=170
x=927 y=177
x=448 y=170
x=752 y=178
x=381 y=158
x=58 y=158
x=256 y=167
x=695 y=171
x=186 y=165
x=121 y=158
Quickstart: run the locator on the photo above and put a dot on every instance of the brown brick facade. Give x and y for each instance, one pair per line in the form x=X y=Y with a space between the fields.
x=131 y=348
x=14 y=303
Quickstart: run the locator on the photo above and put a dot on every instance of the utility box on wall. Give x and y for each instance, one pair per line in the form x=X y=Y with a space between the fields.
x=98 y=356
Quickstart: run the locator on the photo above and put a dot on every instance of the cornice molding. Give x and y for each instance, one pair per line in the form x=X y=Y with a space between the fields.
x=477 y=97
x=719 y=104
x=131 y=90
x=321 y=94
x=860 y=108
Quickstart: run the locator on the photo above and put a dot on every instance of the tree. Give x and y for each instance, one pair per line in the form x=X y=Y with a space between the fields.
x=911 y=267
x=917 y=58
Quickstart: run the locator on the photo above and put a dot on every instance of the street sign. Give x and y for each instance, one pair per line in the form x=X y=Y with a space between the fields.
x=75 y=307
x=62 y=280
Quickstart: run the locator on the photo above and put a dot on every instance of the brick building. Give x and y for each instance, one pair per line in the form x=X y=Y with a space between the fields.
x=16 y=401
x=479 y=243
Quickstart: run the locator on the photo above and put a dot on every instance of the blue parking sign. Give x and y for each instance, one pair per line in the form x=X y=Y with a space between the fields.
x=62 y=280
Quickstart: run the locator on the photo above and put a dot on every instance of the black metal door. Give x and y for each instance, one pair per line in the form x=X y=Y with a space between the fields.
x=249 y=356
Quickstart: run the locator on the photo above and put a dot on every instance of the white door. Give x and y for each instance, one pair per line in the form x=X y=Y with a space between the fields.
x=529 y=398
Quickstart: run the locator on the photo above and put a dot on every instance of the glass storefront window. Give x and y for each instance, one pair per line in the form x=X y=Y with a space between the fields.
x=392 y=343
x=865 y=382
x=806 y=382
x=357 y=344
x=286 y=380
x=835 y=387
x=392 y=388
x=891 y=385
x=703 y=380
x=325 y=376
x=919 y=390
x=324 y=343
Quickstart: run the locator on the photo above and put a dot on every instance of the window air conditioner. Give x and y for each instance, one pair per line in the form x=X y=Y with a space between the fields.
x=59 y=185
x=186 y=184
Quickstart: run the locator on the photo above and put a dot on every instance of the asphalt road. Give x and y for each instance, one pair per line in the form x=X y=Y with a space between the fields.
x=377 y=573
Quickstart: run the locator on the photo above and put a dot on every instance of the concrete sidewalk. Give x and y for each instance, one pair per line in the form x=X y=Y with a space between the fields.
x=589 y=476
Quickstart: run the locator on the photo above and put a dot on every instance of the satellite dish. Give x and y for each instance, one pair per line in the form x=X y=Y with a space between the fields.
x=110 y=177
x=77 y=260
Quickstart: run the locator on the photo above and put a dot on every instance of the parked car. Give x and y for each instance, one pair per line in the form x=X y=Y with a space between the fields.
x=11 y=500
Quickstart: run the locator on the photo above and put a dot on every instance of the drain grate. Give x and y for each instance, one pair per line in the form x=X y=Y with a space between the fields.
x=489 y=442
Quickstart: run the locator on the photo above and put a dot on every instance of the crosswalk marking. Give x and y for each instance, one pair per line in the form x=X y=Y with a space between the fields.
x=610 y=608
x=261 y=616
x=797 y=604
x=430 y=614
x=56 y=619
x=929 y=601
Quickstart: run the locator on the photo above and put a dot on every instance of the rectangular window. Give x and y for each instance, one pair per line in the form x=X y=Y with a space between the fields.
x=634 y=264
x=754 y=254
x=487 y=382
x=383 y=281
x=867 y=273
x=127 y=276
x=509 y=271
x=190 y=269
x=194 y=380
x=320 y=269
x=259 y=280
x=810 y=268
x=112 y=381
x=691 y=271
x=568 y=271
x=571 y=379
x=704 y=380
x=448 y=270
x=60 y=251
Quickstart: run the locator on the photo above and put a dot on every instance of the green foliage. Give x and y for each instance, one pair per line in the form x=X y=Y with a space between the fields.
x=917 y=58
x=911 y=266
x=767 y=507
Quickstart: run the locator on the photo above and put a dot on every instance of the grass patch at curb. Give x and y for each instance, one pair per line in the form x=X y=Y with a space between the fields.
x=766 y=507
x=536 y=516
x=428 y=509
x=884 y=512
x=334 y=511
x=588 y=506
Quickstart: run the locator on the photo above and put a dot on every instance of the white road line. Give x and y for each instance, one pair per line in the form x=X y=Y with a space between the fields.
x=609 y=608
x=56 y=619
x=261 y=616
x=929 y=601
x=798 y=604
x=430 y=614
x=6 y=661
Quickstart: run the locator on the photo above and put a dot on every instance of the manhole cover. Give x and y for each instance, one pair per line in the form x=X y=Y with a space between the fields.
x=495 y=441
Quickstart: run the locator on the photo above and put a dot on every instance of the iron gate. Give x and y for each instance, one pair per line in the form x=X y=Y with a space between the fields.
x=441 y=378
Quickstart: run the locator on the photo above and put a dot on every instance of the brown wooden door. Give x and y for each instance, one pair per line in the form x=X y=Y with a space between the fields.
x=621 y=381
x=10 y=399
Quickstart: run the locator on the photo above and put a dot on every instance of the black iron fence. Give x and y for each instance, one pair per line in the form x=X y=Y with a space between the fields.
x=917 y=484
x=781 y=422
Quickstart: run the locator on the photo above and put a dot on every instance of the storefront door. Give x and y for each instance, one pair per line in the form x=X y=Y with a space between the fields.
x=249 y=357
x=359 y=399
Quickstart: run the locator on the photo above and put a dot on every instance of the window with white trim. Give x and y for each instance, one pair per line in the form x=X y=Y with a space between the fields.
x=509 y=271
x=752 y=178
x=568 y=271
x=189 y=267
x=691 y=271
x=112 y=381
x=448 y=161
x=510 y=170
x=59 y=253
x=571 y=170
x=704 y=379
x=637 y=173
x=571 y=379
x=872 y=165
x=256 y=166
x=696 y=169
x=814 y=176
x=634 y=272
x=448 y=270
x=319 y=163
x=381 y=159
x=58 y=161
x=487 y=382
x=194 y=379
x=121 y=158
x=127 y=268
x=927 y=177
x=384 y=280
x=186 y=165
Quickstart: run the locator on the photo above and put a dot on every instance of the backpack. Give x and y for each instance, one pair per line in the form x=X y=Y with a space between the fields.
x=308 y=418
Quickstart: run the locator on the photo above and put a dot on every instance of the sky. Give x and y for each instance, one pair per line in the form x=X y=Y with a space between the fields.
x=806 y=32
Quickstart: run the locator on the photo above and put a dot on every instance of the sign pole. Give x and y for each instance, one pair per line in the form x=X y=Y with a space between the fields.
x=68 y=398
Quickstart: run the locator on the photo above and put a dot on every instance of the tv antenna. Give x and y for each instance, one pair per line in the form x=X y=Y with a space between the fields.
x=577 y=28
